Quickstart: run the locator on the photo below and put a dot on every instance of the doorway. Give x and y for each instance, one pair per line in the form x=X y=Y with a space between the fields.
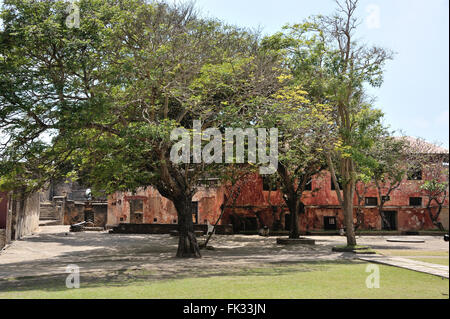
x=136 y=211
x=195 y=213
x=391 y=218
x=287 y=222
x=251 y=224
x=89 y=216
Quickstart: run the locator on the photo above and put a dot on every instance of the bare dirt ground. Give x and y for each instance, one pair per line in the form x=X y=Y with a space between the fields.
x=118 y=257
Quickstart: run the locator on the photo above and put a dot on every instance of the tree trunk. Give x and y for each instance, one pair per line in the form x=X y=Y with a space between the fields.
x=359 y=217
x=383 y=218
x=187 y=244
x=348 y=216
x=294 y=233
x=348 y=193
x=435 y=218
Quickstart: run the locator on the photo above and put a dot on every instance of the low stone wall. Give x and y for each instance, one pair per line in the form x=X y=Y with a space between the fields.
x=166 y=229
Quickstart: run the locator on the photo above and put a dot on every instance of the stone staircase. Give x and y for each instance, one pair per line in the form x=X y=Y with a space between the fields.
x=50 y=214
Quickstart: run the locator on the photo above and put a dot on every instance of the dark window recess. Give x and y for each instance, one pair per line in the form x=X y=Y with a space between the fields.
x=269 y=185
x=174 y=221
x=415 y=175
x=195 y=213
x=308 y=186
x=389 y=222
x=385 y=198
x=329 y=223
x=415 y=201
x=371 y=201
x=332 y=184
x=155 y=220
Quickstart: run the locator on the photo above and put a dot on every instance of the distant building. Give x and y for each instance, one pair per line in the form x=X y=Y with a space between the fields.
x=67 y=203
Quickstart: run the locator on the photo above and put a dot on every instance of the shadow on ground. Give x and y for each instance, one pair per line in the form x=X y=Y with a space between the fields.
x=103 y=258
x=125 y=277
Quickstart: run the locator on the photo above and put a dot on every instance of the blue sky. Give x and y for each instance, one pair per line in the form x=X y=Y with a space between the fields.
x=415 y=94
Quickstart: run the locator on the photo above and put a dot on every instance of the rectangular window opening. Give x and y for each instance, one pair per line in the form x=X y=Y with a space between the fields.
x=415 y=201
x=371 y=201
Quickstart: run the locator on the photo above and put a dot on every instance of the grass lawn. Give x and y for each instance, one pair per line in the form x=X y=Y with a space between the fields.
x=407 y=252
x=311 y=280
x=433 y=260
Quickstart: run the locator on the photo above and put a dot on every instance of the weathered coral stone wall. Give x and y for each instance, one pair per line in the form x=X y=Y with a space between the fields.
x=3 y=217
x=3 y=209
x=256 y=207
x=27 y=216
x=444 y=218
x=20 y=213
x=2 y=238
x=160 y=210
x=269 y=208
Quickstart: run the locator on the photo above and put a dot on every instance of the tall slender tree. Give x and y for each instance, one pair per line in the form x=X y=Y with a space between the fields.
x=334 y=68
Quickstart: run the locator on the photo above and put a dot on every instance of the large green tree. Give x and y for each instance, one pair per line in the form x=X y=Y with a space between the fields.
x=49 y=74
x=111 y=92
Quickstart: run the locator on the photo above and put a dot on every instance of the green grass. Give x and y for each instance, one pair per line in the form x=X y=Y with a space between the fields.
x=300 y=281
x=433 y=260
x=407 y=252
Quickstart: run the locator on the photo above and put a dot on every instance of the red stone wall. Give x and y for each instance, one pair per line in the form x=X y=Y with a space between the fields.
x=159 y=208
x=322 y=202
x=254 y=205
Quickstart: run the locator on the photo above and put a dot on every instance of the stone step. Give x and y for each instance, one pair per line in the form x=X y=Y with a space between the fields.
x=46 y=218
x=50 y=222
x=46 y=204
x=47 y=214
x=48 y=210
